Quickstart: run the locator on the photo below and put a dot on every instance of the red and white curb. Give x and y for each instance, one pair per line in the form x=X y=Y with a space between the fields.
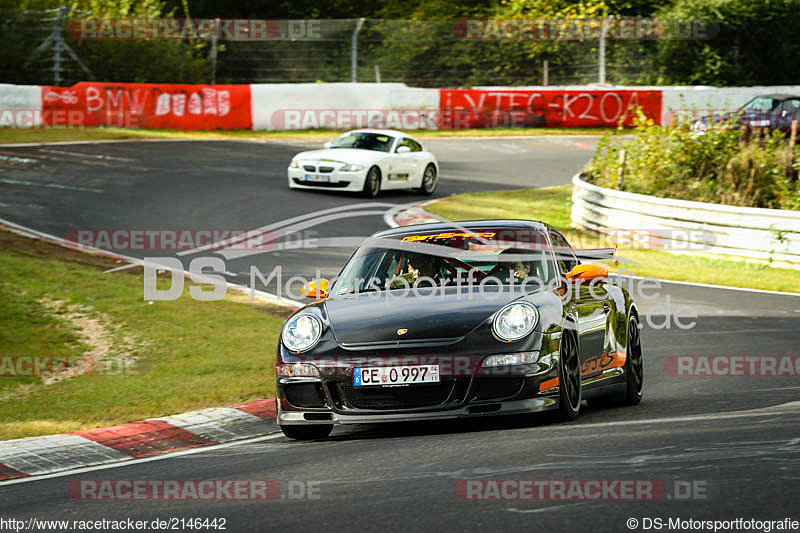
x=407 y=216
x=34 y=456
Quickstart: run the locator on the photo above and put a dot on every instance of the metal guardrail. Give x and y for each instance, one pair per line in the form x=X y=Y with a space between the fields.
x=745 y=233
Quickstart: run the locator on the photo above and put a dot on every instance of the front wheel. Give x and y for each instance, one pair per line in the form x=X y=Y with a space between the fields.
x=569 y=378
x=372 y=183
x=430 y=179
x=311 y=432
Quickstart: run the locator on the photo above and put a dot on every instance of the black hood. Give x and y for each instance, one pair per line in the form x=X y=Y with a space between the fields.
x=376 y=317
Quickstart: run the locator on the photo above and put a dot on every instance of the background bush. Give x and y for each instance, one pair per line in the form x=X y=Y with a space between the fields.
x=725 y=166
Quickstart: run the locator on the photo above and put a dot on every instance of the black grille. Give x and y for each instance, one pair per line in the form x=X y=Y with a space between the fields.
x=405 y=397
x=305 y=394
x=310 y=168
x=326 y=169
x=495 y=388
x=336 y=185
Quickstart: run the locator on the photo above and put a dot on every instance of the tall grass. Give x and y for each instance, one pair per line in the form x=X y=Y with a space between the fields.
x=725 y=166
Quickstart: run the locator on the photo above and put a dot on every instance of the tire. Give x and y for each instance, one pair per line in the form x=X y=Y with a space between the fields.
x=372 y=183
x=569 y=378
x=430 y=180
x=310 y=432
x=634 y=365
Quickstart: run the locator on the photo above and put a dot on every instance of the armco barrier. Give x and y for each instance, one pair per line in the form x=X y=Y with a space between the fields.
x=771 y=235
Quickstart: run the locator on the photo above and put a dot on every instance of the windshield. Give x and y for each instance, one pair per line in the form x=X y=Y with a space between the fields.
x=365 y=141
x=761 y=104
x=462 y=260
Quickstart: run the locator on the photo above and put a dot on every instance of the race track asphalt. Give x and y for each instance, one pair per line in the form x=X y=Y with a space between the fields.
x=737 y=438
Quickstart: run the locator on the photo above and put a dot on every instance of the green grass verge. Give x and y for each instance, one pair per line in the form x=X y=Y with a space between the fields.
x=190 y=354
x=553 y=205
x=12 y=136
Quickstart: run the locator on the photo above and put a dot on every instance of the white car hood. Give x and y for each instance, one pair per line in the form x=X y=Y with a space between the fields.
x=346 y=155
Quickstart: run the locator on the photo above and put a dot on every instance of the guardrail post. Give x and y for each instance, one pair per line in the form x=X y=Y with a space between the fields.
x=792 y=143
x=623 y=158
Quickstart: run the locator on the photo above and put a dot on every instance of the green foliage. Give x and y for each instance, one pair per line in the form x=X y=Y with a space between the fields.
x=23 y=30
x=721 y=166
x=756 y=43
x=753 y=43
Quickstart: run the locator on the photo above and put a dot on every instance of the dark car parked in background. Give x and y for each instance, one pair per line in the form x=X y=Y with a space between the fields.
x=769 y=112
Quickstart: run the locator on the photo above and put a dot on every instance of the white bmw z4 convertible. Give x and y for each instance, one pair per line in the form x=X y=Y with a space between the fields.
x=367 y=161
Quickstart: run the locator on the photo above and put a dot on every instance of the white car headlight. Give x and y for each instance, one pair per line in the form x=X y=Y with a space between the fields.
x=515 y=321
x=293 y=164
x=504 y=359
x=351 y=168
x=301 y=332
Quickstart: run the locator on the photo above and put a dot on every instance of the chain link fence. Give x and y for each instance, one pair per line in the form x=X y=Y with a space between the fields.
x=422 y=54
x=418 y=53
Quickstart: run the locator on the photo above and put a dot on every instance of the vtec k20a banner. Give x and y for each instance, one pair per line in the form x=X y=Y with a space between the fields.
x=496 y=108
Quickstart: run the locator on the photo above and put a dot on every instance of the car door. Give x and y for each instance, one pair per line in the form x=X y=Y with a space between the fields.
x=401 y=164
x=788 y=111
x=759 y=113
x=591 y=309
x=419 y=159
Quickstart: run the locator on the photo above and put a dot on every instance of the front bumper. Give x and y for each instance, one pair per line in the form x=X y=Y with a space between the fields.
x=298 y=417
x=334 y=400
x=337 y=180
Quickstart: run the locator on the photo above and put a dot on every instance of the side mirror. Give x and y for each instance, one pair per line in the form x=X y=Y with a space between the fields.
x=328 y=144
x=316 y=289
x=587 y=272
x=403 y=150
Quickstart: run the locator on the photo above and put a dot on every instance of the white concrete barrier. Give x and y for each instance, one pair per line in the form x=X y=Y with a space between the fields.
x=20 y=105
x=395 y=105
x=693 y=102
x=763 y=235
x=281 y=106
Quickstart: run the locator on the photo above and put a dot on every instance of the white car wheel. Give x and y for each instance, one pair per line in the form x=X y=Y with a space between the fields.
x=372 y=183
x=430 y=180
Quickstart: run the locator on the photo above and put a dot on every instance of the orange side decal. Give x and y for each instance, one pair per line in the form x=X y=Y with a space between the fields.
x=549 y=384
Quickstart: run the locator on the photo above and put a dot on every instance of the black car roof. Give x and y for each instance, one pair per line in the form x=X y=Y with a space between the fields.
x=468 y=224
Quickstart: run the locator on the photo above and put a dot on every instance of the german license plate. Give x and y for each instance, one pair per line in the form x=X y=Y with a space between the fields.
x=395 y=375
x=317 y=177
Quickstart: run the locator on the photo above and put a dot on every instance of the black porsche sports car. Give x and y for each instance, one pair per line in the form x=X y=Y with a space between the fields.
x=478 y=318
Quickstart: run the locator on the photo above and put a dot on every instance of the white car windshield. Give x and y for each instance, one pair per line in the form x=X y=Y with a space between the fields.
x=364 y=141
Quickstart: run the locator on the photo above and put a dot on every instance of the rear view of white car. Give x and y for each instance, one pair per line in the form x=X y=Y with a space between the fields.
x=367 y=161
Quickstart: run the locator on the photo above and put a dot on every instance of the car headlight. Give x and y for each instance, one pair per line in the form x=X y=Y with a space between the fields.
x=301 y=332
x=351 y=168
x=293 y=164
x=504 y=359
x=515 y=321
x=297 y=370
